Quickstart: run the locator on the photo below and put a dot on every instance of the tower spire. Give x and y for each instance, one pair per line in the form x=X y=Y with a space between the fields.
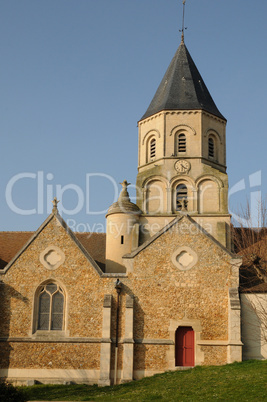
x=183 y=27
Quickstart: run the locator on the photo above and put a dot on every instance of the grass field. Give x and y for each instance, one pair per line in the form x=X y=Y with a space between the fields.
x=246 y=381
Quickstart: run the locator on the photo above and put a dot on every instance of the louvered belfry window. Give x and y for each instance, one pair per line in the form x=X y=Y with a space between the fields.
x=51 y=308
x=211 y=147
x=181 y=143
x=152 y=148
x=181 y=197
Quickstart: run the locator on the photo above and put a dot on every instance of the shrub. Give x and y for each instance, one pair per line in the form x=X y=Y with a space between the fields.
x=8 y=393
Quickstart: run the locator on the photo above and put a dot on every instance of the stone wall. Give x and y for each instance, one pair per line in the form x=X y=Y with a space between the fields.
x=159 y=294
x=254 y=325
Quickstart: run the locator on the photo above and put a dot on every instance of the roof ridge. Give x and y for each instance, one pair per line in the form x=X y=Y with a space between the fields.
x=176 y=220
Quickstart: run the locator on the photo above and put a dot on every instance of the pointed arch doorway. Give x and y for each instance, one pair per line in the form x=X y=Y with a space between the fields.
x=184 y=347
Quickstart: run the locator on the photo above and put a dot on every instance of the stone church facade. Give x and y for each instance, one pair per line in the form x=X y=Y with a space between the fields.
x=160 y=291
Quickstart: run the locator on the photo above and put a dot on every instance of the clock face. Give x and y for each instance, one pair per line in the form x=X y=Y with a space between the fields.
x=182 y=166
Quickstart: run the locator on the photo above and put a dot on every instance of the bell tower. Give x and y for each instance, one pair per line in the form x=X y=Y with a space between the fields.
x=182 y=153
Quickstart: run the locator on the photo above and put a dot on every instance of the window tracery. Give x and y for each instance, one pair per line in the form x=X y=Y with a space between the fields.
x=50 y=307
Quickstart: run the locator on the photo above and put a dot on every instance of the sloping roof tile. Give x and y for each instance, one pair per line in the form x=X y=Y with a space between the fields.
x=12 y=242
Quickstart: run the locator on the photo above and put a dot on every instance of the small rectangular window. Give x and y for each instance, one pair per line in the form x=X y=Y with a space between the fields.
x=182 y=143
x=153 y=148
x=211 y=147
x=122 y=239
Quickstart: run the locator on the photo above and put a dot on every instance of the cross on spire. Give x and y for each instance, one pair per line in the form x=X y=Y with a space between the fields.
x=183 y=27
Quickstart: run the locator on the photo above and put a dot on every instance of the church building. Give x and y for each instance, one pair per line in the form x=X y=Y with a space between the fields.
x=159 y=291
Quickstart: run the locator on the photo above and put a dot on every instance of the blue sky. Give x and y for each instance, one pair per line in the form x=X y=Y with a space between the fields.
x=76 y=76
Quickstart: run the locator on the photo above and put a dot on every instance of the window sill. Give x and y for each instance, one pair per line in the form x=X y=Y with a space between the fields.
x=50 y=334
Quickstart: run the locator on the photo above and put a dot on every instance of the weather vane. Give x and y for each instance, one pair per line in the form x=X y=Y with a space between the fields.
x=183 y=27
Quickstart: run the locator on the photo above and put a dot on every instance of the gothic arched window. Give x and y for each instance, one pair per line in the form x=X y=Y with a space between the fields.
x=211 y=148
x=181 y=197
x=181 y=143
x=152 y=148
x=50 y=307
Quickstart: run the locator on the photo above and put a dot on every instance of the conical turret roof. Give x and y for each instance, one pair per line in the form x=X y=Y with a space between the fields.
x=124 y=204
x=182 y=88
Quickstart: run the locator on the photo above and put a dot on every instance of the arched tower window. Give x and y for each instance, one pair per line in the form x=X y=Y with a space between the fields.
x=50 y=307
x=211 y=148
x=152 y=148
x=181 y=143
x=181 y=197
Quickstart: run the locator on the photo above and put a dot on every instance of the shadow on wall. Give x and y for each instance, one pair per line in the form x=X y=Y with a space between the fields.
x=2 y=264
x=7 y=293
x=140 y=349
x=138 y=333
x=251 y=329
x=114 y=267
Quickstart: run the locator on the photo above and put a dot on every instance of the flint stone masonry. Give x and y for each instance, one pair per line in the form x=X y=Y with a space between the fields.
x=156 y=299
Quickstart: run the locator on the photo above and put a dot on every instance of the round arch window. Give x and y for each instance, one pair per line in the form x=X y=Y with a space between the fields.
x=181 y=197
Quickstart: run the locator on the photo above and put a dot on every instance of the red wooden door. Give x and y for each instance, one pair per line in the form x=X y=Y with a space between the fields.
x=184 y=347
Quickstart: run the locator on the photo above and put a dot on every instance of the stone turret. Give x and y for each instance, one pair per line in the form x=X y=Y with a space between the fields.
x=122 y=230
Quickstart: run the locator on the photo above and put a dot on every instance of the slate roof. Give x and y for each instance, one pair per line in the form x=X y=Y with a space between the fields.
x=12 y=242
x=182 y=88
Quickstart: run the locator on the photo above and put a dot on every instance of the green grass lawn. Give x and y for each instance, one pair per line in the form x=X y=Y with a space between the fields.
x=246 y=381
